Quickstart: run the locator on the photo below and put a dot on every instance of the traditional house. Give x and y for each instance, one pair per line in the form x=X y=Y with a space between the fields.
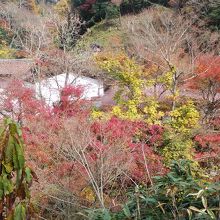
x=48 y=88
x=14 y=69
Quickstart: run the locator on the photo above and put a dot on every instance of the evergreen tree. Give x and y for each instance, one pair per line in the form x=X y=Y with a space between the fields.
x=95 y=10
x=214 y=13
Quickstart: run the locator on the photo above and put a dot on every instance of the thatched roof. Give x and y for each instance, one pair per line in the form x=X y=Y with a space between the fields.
x=14 y=69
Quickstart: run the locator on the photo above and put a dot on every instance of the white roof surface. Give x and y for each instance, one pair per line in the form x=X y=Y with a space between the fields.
x=50 y=87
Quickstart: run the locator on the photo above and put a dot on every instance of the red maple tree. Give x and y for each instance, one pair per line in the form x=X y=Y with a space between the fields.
x=207 y=82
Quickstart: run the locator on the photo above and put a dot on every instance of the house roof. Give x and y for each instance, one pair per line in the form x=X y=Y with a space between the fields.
x=49 y=88
x=15 y=68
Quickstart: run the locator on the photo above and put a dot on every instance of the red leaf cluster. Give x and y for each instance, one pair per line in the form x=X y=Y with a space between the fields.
x=139 y=137
x=207 y=71
x=20 y=102
x=71 y=102
x=208 y=147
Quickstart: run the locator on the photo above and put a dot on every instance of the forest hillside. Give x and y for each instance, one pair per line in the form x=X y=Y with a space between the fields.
x=110 y=109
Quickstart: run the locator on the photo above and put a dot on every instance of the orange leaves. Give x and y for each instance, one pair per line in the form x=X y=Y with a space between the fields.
x=207 y=81
x=207 y=70
x=208 y=66
x=208 y=149
x=42 y=157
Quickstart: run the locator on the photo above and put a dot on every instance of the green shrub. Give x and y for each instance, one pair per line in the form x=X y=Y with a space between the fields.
x=15 y=176
x=177 y=195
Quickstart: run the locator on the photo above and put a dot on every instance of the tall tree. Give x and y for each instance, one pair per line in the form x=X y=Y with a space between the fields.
x=162 y=38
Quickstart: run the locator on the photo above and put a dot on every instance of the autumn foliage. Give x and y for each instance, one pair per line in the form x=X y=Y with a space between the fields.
x=207 y=73
x=153 y=153
x=207 y=83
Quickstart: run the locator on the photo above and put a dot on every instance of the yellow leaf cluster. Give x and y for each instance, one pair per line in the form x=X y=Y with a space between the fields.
x=62 y=7
x=178 y=148
x=88 y=194
x=131 y=99
x=185 y=117
x=6 y=52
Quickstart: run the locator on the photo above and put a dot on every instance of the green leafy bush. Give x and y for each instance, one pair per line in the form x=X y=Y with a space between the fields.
x=15 y=176
x=177 y=195
x=214 y=14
